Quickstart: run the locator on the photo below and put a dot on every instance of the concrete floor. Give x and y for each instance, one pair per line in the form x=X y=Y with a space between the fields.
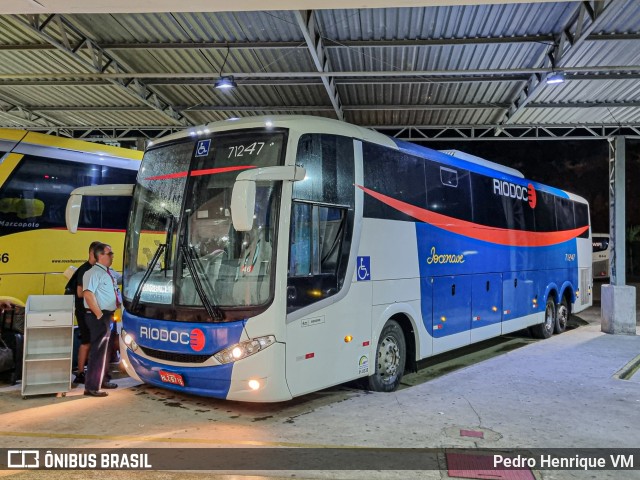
x=560 y=392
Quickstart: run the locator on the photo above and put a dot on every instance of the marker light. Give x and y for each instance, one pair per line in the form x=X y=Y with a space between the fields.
x=254 y=384
x=348 y=338
x=244 y=349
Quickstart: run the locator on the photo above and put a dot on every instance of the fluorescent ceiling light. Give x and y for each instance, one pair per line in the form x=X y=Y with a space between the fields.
x=225 y=83
x=555 y=77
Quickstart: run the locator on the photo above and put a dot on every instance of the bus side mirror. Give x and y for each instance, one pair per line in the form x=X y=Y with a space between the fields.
x=243 y=197
x=243 y=203
x=72 y=212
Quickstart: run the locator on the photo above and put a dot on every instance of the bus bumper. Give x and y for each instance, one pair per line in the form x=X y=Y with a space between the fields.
x=229 y=381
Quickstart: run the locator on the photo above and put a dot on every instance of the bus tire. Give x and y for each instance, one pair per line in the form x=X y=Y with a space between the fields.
x=545 y=329
x=390 y=359
x=562 y=316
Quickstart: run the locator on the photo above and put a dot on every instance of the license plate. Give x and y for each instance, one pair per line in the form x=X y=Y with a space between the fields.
x=169 y=377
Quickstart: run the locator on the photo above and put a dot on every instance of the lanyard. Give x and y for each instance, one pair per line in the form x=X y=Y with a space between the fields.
x=116 y=291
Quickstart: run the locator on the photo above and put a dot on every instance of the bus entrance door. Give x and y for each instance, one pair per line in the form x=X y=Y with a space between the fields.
x=451 y=312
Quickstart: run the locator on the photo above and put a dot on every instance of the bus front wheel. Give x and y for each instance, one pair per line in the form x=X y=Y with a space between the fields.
x=562 y=316
x=390 y=359
x=545 y=329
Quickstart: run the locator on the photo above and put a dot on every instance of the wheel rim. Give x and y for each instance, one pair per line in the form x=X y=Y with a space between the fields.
x=563 y=316
x=549 y=318
x=388 y=358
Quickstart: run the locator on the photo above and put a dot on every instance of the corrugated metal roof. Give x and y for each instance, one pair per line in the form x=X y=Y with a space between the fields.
x=378 y=48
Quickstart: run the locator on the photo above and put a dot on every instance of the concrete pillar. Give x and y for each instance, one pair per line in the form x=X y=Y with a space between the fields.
x=618 y=307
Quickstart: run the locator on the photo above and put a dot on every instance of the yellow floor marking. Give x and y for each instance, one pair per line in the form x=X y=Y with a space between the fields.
x=133 y=438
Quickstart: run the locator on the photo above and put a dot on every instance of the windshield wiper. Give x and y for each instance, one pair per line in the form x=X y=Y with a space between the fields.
x=171 y=222
x=147 y=274
x=213 y=310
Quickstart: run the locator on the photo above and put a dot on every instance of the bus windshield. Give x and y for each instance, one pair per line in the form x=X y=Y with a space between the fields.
x=181 y=247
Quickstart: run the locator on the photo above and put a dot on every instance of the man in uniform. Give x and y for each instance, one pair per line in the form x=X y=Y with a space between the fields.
x=101 y=299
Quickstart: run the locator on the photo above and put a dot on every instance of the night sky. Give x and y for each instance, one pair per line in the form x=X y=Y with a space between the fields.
x=578 y=166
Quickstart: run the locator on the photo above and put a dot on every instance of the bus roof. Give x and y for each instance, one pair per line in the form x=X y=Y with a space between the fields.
x=292 y=122
x=328 y=125
x=9 y=138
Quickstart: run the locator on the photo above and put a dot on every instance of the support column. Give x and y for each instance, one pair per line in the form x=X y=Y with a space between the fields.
x=618 y=309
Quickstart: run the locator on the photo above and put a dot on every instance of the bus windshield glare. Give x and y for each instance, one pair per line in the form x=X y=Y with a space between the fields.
x=181 y=247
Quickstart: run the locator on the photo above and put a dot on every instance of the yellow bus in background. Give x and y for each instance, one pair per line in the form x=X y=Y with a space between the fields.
x=37 y=173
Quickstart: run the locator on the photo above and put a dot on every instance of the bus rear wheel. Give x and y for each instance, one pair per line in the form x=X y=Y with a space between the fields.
x=390 y=359
x=545 y=329
x=562 y=316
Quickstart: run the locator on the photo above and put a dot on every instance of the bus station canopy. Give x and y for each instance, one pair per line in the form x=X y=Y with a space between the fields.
x=422 y=71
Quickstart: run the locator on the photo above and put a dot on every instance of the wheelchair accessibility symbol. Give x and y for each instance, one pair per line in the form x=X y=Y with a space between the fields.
x=363 y=269
x=202 y=150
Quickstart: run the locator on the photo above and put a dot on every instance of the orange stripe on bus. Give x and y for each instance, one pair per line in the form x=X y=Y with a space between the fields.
x=500 y=236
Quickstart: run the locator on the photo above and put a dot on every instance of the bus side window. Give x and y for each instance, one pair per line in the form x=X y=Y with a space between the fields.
x=315 y=252
x=300 y=248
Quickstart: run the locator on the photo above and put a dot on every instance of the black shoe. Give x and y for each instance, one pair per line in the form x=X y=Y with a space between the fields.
x=95 y=393
x=79 y=378
x=109 y=385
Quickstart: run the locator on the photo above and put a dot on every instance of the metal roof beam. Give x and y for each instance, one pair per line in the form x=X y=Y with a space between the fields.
x=413 y=133
x=330 y=44
x=271 y=108
x=23 y=116
x=415 y=74
x=320 y=108
x=77 y=45
x=627 y=75
x=309 y=28
x=574 y=33
x=437 y=133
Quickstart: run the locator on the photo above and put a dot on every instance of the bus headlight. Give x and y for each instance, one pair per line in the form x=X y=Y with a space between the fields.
x=128 y=340
x=244 y=349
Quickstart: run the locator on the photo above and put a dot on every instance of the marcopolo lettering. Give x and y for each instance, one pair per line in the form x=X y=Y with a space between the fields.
x=164 y=335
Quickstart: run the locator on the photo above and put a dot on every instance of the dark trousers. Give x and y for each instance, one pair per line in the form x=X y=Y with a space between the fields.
x=100 y=330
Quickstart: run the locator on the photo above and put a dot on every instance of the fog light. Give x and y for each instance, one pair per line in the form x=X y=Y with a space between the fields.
x=254 y=384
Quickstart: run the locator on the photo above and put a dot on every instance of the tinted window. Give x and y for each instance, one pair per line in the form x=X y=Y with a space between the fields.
x=545 y=212
x=317 y=253
x=395 y=175
x=564 y=214
x=489 y=208
x=581 y=212
x=328 y=160
x=448 y=191
x=37 y=193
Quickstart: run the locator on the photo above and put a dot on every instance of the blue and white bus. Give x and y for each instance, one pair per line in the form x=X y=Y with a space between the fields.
x=267 y=258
